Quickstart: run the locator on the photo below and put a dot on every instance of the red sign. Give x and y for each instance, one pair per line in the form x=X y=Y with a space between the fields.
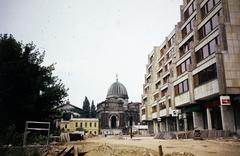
x=225 y=100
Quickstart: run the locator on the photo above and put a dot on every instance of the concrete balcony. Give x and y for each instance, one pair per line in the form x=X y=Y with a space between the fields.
x=146 y=85
x=207 y=89
x=148 y=75
x=163 y=112
x=144 y=117
x=154 y=115
x=144 y=96
x=182 y=99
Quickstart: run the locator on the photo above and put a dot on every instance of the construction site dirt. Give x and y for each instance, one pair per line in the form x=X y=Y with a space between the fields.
x=147 y=146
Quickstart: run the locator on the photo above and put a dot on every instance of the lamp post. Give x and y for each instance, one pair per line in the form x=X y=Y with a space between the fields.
x=130 y=122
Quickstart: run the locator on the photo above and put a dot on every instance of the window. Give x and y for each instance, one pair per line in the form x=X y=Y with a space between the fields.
x=146 y=90
x=156 y=97
x=159 y=74
x=166 y=79
x=161 y=52
x=205 y=75
x=185 y=86
x=208 y=7
x=162 y=106
x=143 y=111
x=145 y=101
x=151 y=59
x=210 y=25
x=95 y=124
x=149 y=79
x=169 y=102
x=164 y=92
x=85 y=124
x=65 y=125
x=166 y=68
x=185 y=47
x=213 y=46
x=188 y=61
x=80 y=125
x=157 y=85
x=154 y=109
x=181 y=87
x=90 y=124
x=149 y=70
x=207 y=27
x=188 y=28
x=215 y=21
x=189 y=11
x=210 y=4
x=171 y=41
x=76 y=125
x=183 y=66
x=167 y=56
x=207 y=50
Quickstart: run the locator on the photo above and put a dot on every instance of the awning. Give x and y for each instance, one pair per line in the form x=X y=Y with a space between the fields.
x=192 y=108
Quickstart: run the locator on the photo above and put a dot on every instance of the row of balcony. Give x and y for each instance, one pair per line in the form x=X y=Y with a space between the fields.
x=206 y=90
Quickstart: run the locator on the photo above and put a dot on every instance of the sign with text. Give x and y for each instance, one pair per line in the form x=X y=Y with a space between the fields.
x=225 y=100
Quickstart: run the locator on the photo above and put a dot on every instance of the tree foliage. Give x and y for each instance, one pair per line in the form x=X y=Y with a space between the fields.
x=86 y=107
x=28 y=90
x=93 y=110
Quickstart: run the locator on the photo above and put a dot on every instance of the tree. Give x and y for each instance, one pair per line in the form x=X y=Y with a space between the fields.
x=86 y=107
x=28 y=90
x=93 y=110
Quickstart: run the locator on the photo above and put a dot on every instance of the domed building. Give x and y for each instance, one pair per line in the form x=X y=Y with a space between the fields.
x=116 y=114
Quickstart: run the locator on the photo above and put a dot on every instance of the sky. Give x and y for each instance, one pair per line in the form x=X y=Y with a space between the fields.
x=93 y=40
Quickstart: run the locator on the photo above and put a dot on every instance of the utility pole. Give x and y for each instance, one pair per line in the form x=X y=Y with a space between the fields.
x=131 y=135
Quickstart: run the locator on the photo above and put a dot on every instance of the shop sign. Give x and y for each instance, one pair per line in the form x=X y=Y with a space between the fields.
x=212 y=104
x=225 y=100
x=175 y=112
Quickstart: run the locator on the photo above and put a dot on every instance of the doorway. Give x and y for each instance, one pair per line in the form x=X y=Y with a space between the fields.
x=113 y=122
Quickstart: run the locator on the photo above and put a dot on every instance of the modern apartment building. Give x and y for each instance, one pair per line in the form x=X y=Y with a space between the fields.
x=192 y=79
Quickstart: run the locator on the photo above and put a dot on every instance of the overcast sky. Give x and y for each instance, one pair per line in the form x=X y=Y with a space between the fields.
x=92 y=40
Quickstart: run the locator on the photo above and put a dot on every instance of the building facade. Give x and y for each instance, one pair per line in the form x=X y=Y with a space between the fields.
x=192 y=79
x=68 y=111
x=115 y=113
x=88 y=125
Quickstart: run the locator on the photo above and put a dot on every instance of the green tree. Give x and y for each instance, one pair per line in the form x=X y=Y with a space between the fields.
x=28 y=90
x=86 y=107
x=93 y=110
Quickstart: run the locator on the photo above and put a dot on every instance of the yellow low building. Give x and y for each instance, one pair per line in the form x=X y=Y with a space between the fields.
x=89 y=125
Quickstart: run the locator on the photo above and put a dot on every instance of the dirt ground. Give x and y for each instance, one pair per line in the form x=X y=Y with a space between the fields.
x=147 y=146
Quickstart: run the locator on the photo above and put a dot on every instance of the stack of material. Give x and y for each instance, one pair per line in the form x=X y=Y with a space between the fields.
x=165 y=135
x=64 y=137
x=214 y=133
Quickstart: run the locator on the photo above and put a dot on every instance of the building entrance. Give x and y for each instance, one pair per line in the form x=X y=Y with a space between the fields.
x=216 y=118
x=113 y=122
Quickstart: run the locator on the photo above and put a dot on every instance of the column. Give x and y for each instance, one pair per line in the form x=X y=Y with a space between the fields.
x=209 y=119
x=227 y=118
x=155 y=127
x=198 y=120
x=167 y=128
x=185 y=122
x=177 y=122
